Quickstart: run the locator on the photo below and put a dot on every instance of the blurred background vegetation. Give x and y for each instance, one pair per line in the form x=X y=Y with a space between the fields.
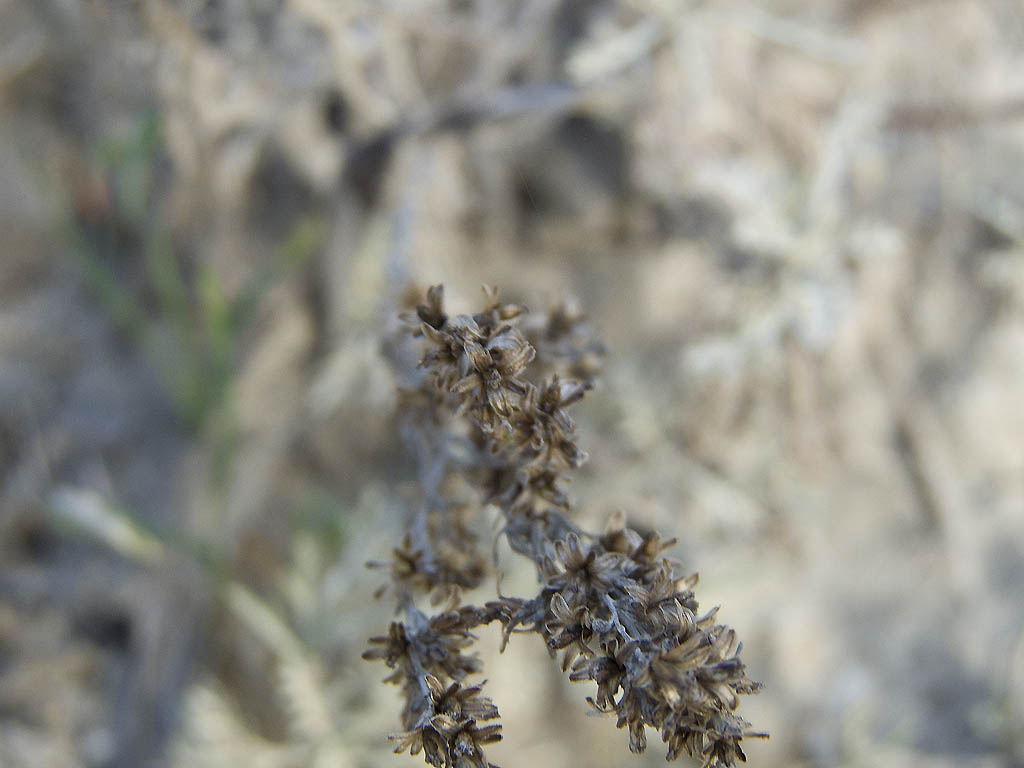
x=798 y=224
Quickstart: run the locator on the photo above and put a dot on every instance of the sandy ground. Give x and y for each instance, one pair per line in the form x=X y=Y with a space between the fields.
x=798 y=226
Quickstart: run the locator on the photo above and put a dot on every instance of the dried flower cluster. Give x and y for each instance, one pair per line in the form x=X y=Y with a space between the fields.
x=613 y=605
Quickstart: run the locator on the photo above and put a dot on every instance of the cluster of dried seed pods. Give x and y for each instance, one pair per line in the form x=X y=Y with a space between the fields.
x=612 y=604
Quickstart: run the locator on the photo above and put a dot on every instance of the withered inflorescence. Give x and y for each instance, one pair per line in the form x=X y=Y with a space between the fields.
x=486 y=410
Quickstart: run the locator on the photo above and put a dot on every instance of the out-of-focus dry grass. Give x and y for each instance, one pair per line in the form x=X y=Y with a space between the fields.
x=798 y=225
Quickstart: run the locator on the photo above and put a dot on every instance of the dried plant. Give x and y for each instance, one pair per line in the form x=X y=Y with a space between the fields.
x=486 y=409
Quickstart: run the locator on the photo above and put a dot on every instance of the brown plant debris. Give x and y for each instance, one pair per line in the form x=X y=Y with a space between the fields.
x=487 y=406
